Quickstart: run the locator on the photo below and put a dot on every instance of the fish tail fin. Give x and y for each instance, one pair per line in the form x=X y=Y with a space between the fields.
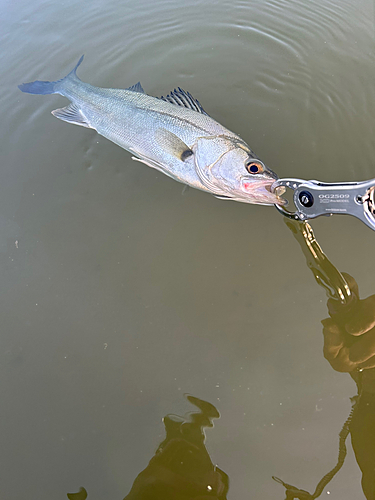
x=39 y=87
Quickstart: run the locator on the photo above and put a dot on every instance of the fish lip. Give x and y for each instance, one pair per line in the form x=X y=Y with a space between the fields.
x=274 y=188
x=261 y=189
x=269 y=188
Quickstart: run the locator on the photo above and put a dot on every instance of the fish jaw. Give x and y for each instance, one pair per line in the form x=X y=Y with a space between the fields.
x=259 y=191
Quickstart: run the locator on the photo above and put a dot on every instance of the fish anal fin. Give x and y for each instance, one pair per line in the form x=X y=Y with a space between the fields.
x=173 y=144
x=136 y=88
x=183 y=98
x=71 y=114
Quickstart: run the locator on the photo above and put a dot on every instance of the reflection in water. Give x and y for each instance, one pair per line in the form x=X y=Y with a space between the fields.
x=349 y=346
x=181 y=468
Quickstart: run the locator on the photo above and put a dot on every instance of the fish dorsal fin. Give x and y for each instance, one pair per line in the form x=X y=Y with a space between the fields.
x=185 y=99
x=172 y=144
x=136 y=88
x=71 y=114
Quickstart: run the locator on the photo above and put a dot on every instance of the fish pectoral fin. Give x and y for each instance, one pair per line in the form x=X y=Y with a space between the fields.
x=172 y=144
x=71 y=114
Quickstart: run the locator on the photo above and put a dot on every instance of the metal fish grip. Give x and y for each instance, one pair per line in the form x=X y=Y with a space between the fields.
x=314 y=198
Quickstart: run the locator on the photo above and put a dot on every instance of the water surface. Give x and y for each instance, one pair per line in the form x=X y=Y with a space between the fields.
x=120 y=292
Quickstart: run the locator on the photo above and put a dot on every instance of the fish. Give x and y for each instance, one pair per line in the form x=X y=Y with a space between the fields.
x=172 y=134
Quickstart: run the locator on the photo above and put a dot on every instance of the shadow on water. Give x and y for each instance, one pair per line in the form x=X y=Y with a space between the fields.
x=182 y=469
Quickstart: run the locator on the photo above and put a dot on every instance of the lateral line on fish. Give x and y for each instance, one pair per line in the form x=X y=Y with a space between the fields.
x=164 y=113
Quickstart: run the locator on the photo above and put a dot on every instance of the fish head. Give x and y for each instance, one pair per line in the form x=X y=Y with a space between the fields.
x=229 y=169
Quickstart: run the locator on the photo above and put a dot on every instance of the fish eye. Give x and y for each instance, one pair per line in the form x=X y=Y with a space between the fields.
x=254 y=167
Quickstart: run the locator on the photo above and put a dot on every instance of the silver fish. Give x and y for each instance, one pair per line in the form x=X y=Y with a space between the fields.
x=172 y=134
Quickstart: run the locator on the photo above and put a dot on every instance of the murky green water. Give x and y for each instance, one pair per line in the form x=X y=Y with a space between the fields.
x=120 y=293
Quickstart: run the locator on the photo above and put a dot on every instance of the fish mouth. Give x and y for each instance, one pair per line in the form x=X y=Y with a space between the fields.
x=262 y=192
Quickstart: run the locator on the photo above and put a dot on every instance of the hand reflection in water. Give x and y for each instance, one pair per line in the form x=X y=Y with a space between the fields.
x=349 y=340
x=349 y=346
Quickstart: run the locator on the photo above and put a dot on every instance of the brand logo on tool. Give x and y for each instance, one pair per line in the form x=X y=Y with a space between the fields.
x=334 y=196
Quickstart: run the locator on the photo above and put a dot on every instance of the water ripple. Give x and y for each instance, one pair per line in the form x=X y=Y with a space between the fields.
x=273 y=57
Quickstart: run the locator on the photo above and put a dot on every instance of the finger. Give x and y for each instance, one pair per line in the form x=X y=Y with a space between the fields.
x=339 y=359
x=342 y=363
x=335 y=349
x=333 y=339
x=363 y=318
x=370 y=363
x=353 y=285
x=334 y=306
x=364 y=348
